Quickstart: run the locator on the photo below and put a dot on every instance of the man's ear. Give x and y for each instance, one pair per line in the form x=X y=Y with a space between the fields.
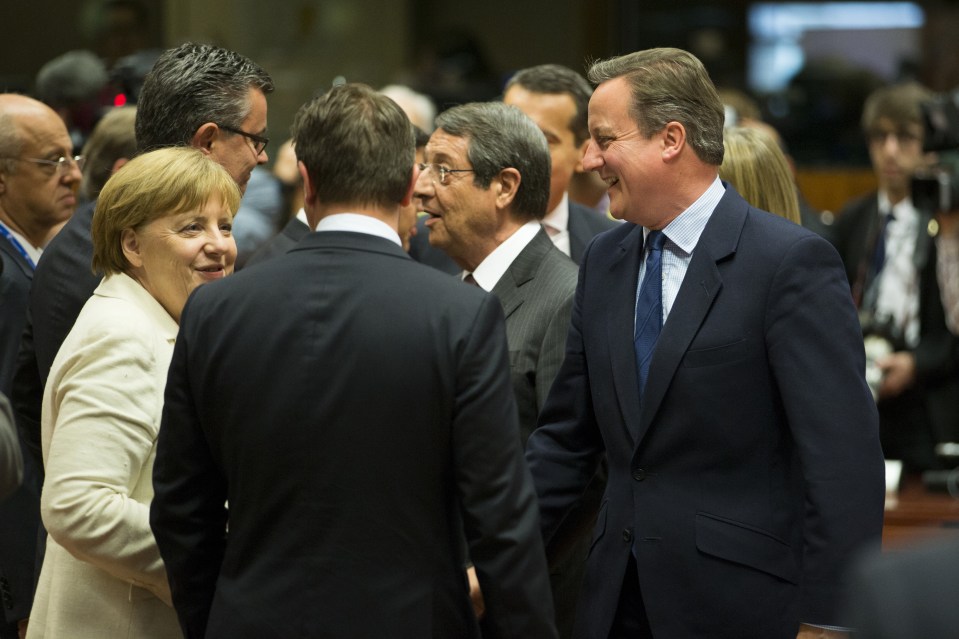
x=507 y=184
x=205 y=136
x=674 y=139
x=309 y=189
x=130 y=244
x=582 y=154
x=412 y=186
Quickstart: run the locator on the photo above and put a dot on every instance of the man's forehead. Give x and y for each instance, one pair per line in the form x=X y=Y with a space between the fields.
x=42 y=132
x=444 y=144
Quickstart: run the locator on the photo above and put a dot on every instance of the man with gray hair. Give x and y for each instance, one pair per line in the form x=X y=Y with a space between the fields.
x=743 y=446
x=356 y=412
x=196 y=94
x=485 y=185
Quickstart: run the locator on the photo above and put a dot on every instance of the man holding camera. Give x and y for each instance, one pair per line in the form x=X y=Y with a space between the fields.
x=888 y=247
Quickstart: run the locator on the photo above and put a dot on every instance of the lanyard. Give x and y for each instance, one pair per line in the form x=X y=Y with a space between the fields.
x=17 y=245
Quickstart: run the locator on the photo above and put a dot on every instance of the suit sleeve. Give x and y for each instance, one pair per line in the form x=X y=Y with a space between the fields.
x=499 y=505
x=188 y=514
x=106 y=397
x=11 y=463
x=564 y=451
x=815 y=350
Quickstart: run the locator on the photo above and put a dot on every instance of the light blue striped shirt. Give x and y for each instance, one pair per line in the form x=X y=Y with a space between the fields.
x=682 y=235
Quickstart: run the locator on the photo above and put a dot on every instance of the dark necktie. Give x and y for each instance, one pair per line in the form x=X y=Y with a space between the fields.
x=469 y=279
x=649 y=307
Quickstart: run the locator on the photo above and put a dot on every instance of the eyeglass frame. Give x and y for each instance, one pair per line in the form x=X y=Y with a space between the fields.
x=61 y=165
x=441 y=171
x=253 y=137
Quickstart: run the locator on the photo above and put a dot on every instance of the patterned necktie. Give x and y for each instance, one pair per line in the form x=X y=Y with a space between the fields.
x=649 y=307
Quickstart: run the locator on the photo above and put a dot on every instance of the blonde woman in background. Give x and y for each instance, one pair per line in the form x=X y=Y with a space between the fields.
x=756 y=167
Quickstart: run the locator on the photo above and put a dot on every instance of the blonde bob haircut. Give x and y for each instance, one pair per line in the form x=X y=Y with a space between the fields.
x=757 y=168
x=164 y=182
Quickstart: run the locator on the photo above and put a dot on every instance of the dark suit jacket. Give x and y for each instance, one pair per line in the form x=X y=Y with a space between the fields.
x=280 y=243
x=20 y=512
x=62 y=284
x=752 y=469
x=583 y=225
x=907 y=594
x=854 y=235
x=354 y=407
x=537 y=297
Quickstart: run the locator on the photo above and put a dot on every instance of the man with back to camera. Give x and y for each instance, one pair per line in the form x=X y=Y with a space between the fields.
x=289 y=395
x=890 y=257
x=39 y=178
x=196 y=94
x=728 y=395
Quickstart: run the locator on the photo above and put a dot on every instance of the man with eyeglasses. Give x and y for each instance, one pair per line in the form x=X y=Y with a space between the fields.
x=888 y=248
x=485 y=186
x=196 y=94
x=39 y=178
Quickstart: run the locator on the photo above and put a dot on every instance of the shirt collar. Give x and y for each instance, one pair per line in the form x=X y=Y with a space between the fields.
x=491 y=269
x=558 y=218
x=684 y=231
x=358 y=223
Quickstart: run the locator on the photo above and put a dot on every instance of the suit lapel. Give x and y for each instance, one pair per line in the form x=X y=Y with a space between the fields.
x=509 y=289
x=699 y=289
x=14 y=254
x=621 y=301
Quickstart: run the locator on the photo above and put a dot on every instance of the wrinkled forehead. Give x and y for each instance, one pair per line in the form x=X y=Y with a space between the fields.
x=444 y=147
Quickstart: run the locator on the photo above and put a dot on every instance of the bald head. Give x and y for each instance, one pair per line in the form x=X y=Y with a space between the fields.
x=37 y=188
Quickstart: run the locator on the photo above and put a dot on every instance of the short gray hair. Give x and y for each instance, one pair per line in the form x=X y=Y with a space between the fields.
x=191 y=85
x=670 y=85
x=500 y=137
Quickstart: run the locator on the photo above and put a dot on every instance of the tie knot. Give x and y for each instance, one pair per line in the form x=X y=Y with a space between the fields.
x=655 y=240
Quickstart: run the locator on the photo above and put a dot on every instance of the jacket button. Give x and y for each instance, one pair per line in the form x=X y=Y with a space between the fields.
x=639 y=474
x=627 y=535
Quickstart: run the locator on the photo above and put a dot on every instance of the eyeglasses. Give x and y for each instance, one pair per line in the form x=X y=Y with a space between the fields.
x=61 y=165
x=259 y=142
x=441 y=172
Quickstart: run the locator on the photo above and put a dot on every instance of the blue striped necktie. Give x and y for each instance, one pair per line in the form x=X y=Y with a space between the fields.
x=649 y=307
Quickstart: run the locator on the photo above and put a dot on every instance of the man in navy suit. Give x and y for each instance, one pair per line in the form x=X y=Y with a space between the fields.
x=728 y=394
x=556 y=98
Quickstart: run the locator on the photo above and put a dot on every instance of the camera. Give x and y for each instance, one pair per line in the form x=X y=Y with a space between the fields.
x=936 y=189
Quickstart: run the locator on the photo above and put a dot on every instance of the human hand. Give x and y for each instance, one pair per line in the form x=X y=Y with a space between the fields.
x=476 y=596
x=812 y=632
x=898 y=373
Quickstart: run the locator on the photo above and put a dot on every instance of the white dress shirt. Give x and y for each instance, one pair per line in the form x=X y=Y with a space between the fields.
x=491 y=269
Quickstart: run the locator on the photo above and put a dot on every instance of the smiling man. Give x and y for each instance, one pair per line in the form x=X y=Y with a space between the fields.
x=742 y=441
